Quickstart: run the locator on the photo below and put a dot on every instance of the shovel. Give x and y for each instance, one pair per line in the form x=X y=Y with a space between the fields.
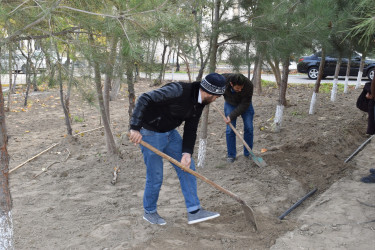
x=249 y=214
x=258 y=160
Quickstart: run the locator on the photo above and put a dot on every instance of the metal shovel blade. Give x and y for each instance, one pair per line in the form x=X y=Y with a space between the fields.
x=258 y=160
x=249 y=214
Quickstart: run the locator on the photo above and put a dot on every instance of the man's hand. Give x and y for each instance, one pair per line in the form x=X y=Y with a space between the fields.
x=227 y=120
x=369 y=96
x=135 y=136
x=186 y=160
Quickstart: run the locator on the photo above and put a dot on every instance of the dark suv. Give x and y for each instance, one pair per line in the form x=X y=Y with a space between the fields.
x=310 y=65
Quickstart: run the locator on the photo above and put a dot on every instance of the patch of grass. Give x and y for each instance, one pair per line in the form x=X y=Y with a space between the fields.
x=297 y=113
x=77 y=118
x=266 y=83
x=326 y=87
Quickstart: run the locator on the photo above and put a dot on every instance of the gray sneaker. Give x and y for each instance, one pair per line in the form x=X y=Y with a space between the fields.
x=231 y=159
x=201 y=215
x=154 y=218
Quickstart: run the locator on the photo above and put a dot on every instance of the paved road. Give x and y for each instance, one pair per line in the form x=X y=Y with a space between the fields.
x=293 y=78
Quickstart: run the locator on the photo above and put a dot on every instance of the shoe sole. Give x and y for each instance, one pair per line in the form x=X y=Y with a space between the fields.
x=204 y=219
x=154 y=223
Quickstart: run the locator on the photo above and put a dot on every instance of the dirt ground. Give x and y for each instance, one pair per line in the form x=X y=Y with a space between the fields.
x=64 y=199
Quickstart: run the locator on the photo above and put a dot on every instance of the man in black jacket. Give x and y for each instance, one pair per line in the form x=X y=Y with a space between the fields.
x=238 y=102
x=156 y=116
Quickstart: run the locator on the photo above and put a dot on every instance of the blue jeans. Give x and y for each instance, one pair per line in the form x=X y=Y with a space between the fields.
x=248 y=136
x=169 y=143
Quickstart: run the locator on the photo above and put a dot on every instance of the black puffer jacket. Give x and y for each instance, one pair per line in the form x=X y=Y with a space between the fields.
x=164 y=109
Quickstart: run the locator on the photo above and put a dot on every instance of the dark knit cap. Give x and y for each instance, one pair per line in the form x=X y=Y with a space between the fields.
x=214 y=83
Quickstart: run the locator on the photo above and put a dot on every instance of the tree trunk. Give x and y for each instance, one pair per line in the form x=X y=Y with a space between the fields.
x=109 y=75
x=282 y=93
x=35 y=86
x=117 y=77
x=62 y=101
x=212 y=68
x=10 y=74
x=186 y=60
x=177 y=60
x=167 y=63
x=275 y=69
x=203 y=61
x=347 y=75
x=335 y=80
x=6 y=222
x=157 y=81
x=257 y=75
x=152 y=57
x=110 y=142
x=14 y=85
x=248 y=62
x=360 y=72
x=68 y=91
x=129 y=80
x=317 y=83
x=28 y=83
x=65 y=109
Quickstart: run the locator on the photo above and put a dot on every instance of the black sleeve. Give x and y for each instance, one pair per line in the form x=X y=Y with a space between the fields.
x=158 y=96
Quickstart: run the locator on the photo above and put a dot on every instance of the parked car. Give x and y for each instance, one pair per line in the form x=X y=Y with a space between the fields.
x=19 y=61
x=310 y=65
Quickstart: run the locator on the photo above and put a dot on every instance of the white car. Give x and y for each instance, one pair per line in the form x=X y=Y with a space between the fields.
x=19 y=63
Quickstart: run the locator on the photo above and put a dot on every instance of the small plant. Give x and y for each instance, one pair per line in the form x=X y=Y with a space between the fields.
x=298 y=113
x=77 y=118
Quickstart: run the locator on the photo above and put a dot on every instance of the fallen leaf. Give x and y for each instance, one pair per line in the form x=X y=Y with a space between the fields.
x=263 y=150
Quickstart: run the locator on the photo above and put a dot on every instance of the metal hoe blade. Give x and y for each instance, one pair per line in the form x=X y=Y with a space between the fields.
x=258 y=160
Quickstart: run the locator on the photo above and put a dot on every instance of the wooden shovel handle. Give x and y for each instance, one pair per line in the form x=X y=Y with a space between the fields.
x=190 y=171
x=233 y=128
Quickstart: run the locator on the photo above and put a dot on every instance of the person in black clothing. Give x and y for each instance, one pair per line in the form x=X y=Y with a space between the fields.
x=238 y=102
x=371 y=127
x=155 y=118
x=371 y=115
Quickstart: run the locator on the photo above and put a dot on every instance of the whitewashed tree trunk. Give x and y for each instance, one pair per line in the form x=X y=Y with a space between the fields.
x=334 y=90
x=347 y=76
x=278 y=118
x=202 y=152
x=6 y=231
x=211 y=69
x=346 y=84
x=312 y=103
x=335 y=80
x=359 y=77
x=360 y=72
